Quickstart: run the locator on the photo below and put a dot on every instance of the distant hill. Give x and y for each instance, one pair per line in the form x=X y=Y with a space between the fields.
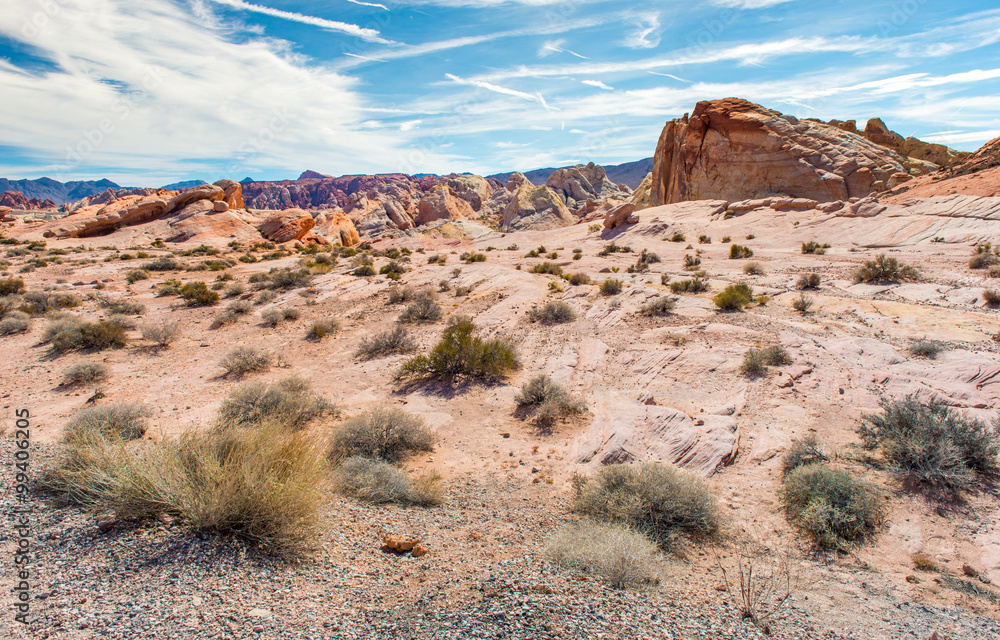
x=186 y=184
x=630 y=173
x=58 y=192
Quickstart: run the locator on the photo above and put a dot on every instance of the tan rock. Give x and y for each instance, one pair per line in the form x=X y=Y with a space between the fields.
x=515 y=181
x=877 y=132
x=441 y=204
x=287 y=225
x=473 y=189
x=202 y=192
x=221 y=206
x=642 y=195
x=533 y=207
x=232 y=193
x=897 y=179
x=581 y=182
x=622 y=214
x=400 y=544
x=335 y=226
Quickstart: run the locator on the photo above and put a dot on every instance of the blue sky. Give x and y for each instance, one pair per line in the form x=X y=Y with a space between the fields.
x=147 y=92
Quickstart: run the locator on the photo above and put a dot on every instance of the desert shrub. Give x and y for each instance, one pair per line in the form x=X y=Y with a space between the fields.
x=547 y=267
x=756 y=361
x=89 y=335
x=660 y=306
x=260 y=485
x=924 y=563
x=379 y=482
x=611 y=287
x=885 y=269
x=85 y=373
x=197 y=294
x=392 y=270
x=11 y=286
x=384 y=434
x=136 y=275
x=753 y=269
x=983 y=256
x=235 y=289
x=125 y=421
x=243 y=360
x=39 y=302
x=613 y=552
x=738 y=251
x=461 y=353
x=932 y=443
x=273 y=317
x=239 y=307
x=808 y=281
x=169 y=288
x=386 y=343
x=691 y=263
x=283 y=279
x=611 y=248
x=577 y=279
x=162 y=333
x=322 y=329
x=692 y=285
x=422 y=310
x=803 y=452
x=398 y=294
x=776 y=355
x=288 y=403
x=991 y=297
x=547 y=401
x=734 y=297
x=473 y=257
x=165 y=263
x=926 y=348
x=657 y=499
x=224 y=319
x=14 y=322
x=814 y=247
x=677 y=237
x=124 y=307
x=555 y=312
x=444 y=286
x=264 y=297
x=364 y=270
x=803 y=303
x=832 y=505
x=122 y=320
x=704 y=239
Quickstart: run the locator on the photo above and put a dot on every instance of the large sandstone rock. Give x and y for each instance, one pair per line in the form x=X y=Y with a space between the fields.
x=288 y=225
x=642 y=196
x=440 y=204
x=877 y=132
x=201 y=192
x=532 y=207
x=232 y=193
x=473 y=189
x=200 y=222
x=622 y=214
x=732 y=149
x=335 y=226
x=581 y=182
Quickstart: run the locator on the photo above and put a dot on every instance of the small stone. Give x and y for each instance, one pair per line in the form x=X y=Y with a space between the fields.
x=969 y=571
x=259 y=613
x=105 y=523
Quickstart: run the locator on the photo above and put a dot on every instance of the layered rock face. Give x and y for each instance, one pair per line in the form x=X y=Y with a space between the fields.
x=17 y=200
x=733 y=149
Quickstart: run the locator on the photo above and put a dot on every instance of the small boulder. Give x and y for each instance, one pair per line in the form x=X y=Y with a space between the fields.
x=622 y=214
x=220 y=206
x=287 y=225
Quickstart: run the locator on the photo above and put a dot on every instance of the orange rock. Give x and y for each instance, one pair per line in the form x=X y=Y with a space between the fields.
x=288 y=225
x=335 y=226
x=442 y=205
x=232 y=193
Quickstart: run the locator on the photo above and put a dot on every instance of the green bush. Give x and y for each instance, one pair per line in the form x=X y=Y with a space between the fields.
x=137 y=274
x=756 y=361
x=616 y=553
x=165 y=263
x=932 y=443
x=555 y=312
x=803 y=452
x=125 y=421
x=734 y=297
x=288 y=403
x=611 y=248
x=197 y=294
x=322 y=329
x=547 y=401
x=704 y=239
x=378 y=482
x=393 y=270
x=577 y=279
x=659 y=306
x=547 y=267
x=654 y=498
x=364 y=270
x=814 y=247
x=243 y=360
x=738 y=251
x=422 y=310
x=85 y=373
x=384 y=434
x=833 y=506
x=611 y=287
x=461 y=353
x=386 y=343
x=473 y=257
x=692 y=285
x=885 y=270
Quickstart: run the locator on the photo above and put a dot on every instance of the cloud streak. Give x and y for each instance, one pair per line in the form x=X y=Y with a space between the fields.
x=370 y=35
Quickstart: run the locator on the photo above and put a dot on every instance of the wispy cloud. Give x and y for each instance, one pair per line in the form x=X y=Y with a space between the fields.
x=489 y=86
x=369 y=4
x=555 y=46
x=647 y=32
x=371 y=35
x=598 y=84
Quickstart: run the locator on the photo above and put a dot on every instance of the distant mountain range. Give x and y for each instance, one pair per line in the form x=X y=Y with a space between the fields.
x=58 y=192
x=630 y=173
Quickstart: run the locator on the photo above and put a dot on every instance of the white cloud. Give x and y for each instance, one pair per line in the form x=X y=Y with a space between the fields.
x=647 y=32
x=369 y=4
x=749 y=4
x=148 y=88
x=598 y=84
x=555 y=46
x=370 y=35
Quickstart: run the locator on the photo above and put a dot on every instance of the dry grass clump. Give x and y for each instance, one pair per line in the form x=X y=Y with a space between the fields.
x=136 y=275
x=282 y=279
x=734 y=297
x=39 y=302
x=692 y=285
x=885 y=270
x=70 y=333
x=613 y=552
x=162 y=333
x=273 y=317
x=322 y=328
x=547 y=401
x=832 y=505
x=753 y=269
x=399 y=294
x=124 y=307
x=197 y=294
x=422 y=310
x=926 y=348
x=11 y=286
x=924 y=563
x=756 y=361
x=815 y=247
x=555 y=312
x=611 y=287
x=802 y=452
x=659 y=306
x=547 y=267
x=991 y=297
x=263 y=485
x=120 y=420
x=658 y=500
x=808 y=281
x=224 y=319
x=984 y=256
x=14 y=322
x=932 y=444
x=85 y=373
x=386 y=343
x=462 y=354
x=803 y=303
x=384 y=434
x=288 y=403
x=738 y=252
x=379 y=482
x=243 y=360
x=165 y=263
x=577 y=279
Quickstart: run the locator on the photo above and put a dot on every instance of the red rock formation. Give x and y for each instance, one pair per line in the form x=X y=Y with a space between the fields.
x=288 y=225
